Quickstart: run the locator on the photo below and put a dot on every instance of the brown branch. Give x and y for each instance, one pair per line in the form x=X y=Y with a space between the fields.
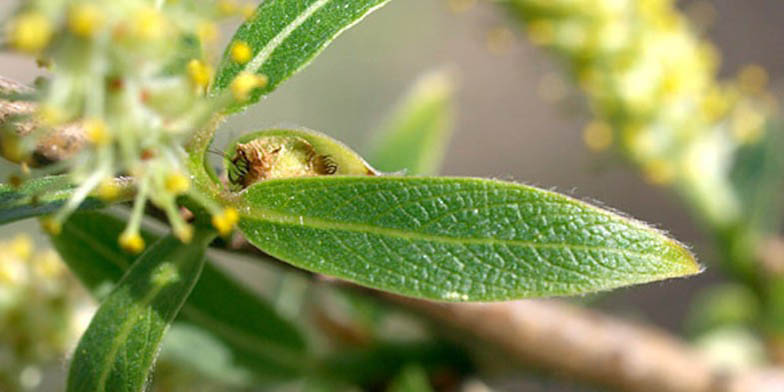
x=56 y=143
x=591 y=347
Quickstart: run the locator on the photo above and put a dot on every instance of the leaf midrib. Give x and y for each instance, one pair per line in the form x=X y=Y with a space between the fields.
x=292 y=220
x=261 y=57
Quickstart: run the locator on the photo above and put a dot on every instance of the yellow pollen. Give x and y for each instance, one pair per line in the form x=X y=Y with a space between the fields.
x=177 y=183
x=241 y=52
x=108 y=190
x=84 y=20
x=225 y=221
x=597 y=136
x=184 y=233
x=131 y=242
x=199 y=73
x=96 y=132
x=245 y=82
x=30 y=32
x=51 y=226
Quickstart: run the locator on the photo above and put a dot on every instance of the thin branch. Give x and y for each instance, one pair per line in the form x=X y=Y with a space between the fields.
x=591 y=347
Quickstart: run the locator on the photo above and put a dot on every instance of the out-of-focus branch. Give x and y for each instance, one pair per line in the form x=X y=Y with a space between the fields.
x=58 y=143
x=591 y=347
x=584 y=345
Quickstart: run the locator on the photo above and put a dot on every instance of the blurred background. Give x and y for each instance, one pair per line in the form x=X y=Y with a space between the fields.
x=518 y=118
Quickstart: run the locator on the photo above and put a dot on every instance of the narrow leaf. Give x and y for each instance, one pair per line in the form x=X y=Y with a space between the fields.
x=415 y=137
x=39 y=196
x=285 y=35
x=117 y=351
x=258 y=337
x=454 y=239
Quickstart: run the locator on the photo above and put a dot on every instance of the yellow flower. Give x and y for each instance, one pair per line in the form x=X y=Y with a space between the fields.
x=177 y=183
x=245 y=82
x=30 y=32
x=96 y=132
x=131 y=242
x=225 y=221
x=240 y=52
x=108 y=190
x=199 y=73
x=85 y=19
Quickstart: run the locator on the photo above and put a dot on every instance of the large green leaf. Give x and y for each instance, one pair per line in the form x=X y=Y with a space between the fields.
x=414 y=139
x=285 y=35
x=454 y=239
x=117 y=351
x=259 y=338
x=40 y=196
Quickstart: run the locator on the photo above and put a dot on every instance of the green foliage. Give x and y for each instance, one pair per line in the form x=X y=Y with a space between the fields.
x=117 y=351
x=454 y=239
x=257 y=337
x=414 y=139
x=38 y=196
x=285 y=35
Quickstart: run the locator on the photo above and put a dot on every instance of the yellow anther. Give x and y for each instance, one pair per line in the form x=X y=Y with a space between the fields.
x=227 y=7
x=753 y=79
x=225 y=221
x=659 y=172
x=199 y=73
x=48 y=265
x=131 y=242
x=177 y=183
x=240 y=52
x=50 y=115
x=184 y=233
x=30 y=32
x=248 y=10
x=149 y=24
x=245 y=82
x=51 y=226
x=21 y=246
x=207 y=32
x=541 y=32
x=598 y=136
x=96 y=132
x=85 y=19
x=108 y=190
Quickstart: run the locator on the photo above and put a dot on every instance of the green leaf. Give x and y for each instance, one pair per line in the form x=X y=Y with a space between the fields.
x=117 y=351
x=285 y=35
x=412 y=378
x=415 y=137
x=454 y=239
x=259 y=338
x=39 y=196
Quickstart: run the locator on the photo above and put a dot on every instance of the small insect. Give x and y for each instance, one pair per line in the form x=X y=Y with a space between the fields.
x=286 y=153
x=276 y=157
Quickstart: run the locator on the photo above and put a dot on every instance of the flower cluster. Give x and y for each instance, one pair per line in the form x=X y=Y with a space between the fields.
x=652 y=84
x=43 y=311
x=134 y=76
